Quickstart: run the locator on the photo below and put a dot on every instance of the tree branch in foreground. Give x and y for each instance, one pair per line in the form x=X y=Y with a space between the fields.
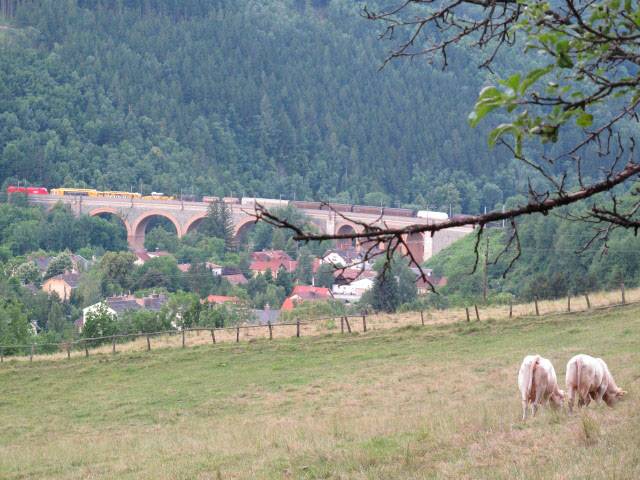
x=394 y=239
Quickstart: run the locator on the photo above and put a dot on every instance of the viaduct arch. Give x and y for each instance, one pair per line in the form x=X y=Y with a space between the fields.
x=194 y=222
x=98 y=211
x=140 y=225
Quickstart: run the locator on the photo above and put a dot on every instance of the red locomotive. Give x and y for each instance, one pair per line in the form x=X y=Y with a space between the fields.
x=30 y=190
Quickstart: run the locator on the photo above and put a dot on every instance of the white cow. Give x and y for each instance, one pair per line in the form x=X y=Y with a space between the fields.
x=590 y=377
x=538 y=384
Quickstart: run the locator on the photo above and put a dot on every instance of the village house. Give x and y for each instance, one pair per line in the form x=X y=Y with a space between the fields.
x=215 y=269
x=356 y=287
x=219 y=299
x=424 y=286
x=41 y=261
x=80 y=264
x=118 y=305
x=346 y=257
x=63 y=285
x=234 y=276
x=306 y=293
x=236 y=279
x=270 y=255
x=276 y=266
x=351 y=283
x=144 y=256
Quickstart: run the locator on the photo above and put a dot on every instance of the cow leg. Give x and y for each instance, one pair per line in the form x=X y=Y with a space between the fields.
x=571 y=395
x=599 y=394
x=585 y=397
x=525 y=404
x=539 y=400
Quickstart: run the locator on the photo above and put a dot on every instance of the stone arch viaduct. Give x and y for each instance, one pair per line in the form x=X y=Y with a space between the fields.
x=186 y=217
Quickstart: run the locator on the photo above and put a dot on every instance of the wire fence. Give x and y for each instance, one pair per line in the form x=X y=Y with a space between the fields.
x=348 y=324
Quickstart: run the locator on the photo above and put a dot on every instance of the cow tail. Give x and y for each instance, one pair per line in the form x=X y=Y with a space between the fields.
x=579 y=365
x=532 y=369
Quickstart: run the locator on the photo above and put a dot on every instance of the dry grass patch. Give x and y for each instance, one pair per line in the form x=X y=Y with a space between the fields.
x=374 y=322
x=411 y=402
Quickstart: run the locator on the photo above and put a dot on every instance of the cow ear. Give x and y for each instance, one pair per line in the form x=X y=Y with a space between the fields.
x=622 y=393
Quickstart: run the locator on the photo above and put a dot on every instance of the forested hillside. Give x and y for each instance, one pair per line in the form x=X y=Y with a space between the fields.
x=256 y=97
x=552 y=261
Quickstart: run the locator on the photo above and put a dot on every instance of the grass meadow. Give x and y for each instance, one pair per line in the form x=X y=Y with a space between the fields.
x=409 y=402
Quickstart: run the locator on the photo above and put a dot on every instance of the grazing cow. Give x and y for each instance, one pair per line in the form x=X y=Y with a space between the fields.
x=538 y=384
x=590 y=377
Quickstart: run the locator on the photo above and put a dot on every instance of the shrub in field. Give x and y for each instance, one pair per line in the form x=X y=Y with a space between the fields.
x=590 y=428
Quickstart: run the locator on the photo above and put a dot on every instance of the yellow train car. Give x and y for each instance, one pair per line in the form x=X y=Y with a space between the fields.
x=85 y=192
x=116 y=194
x=157 y=196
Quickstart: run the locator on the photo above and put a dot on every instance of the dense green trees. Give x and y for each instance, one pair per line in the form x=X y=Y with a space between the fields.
x=219 y=224
x=393 y=288
x=254 y=98
x=548 y=267
x=27 y=229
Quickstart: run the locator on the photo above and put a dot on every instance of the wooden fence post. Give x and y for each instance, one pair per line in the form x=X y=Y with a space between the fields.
x=510 y=308
x=298 y=328
x=568 y=301
x=238 y=333
x=86 y=349
x=622 y=288
x=184 y=341
x=68 y=350
x=346 y=319
x=477 y=313
x=586 y=296
x=341 y=324
x=148 y=342
x=270 y=330
x=468 y=317
x=113 y=349
x=213 y=335
x=422 y=317
x=1 y=354
x=364 y=323
x=31 y=354
x=535 y=300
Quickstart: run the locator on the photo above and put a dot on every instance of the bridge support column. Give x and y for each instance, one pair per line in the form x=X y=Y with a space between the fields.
x=428 y=246
x=135 y=242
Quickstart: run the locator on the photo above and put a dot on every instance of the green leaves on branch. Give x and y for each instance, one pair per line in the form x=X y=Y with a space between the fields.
x=585 y=56
x=488 y=100
x=532 y=76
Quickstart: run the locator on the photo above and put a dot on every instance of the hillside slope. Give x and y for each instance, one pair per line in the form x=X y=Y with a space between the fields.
x=254 y=97
x=415 y=402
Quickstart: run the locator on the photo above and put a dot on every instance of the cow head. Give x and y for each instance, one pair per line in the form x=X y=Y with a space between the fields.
x=612 y=397
x=558 y=397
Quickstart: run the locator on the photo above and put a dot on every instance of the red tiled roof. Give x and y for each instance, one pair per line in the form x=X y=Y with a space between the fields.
x=142 y=255
x=236 y=279
x=261 y=265
x=218 y=299
x=303 y=292
x=270 y=255
x=184 y=267
x=435 y=281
